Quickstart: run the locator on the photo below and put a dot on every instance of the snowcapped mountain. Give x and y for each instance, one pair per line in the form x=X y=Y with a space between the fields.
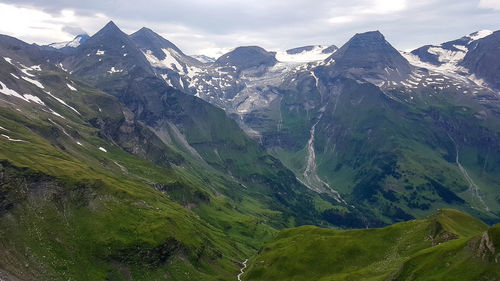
x=77 y=41
x=454 y=58
x=127 y=130
x=204 y=59
x=483 y=58
x=306 y=54
x=309 y=105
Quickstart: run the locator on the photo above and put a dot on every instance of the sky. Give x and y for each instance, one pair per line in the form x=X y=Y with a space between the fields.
x=213 y=27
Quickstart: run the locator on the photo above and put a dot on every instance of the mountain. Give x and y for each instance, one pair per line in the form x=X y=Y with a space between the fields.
x=357 y=122
x=191 y=125
x=306 y=53
x=161 y=50
x=107 y=54
x=446 y=246
x=204 y=59
x=462 y=57
x=68 y=46
x=353 y=125
x=482 y=59
x=246 y=57
x=78 y=198
x=323 y=120
x=127 y=157
x=99 y=153
x=168 y=61
x=449 y=52
x=370 y=54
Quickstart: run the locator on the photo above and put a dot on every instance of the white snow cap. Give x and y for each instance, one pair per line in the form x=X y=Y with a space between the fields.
x=315 y=54
x=480 y=34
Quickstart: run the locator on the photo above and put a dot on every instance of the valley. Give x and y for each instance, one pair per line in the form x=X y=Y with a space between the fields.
x=123 y=158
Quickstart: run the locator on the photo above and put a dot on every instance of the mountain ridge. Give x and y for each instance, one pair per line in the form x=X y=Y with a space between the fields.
x=135 y=159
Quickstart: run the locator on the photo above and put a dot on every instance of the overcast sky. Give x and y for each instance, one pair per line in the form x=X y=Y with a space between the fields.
x=212 y=27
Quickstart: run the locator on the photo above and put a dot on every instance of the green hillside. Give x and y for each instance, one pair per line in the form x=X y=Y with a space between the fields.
x=446 y=246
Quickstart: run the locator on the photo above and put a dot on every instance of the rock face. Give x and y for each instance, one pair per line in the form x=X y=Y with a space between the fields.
x=486 y=248
x=153 y=44
x=483 y=59
x=369 y=53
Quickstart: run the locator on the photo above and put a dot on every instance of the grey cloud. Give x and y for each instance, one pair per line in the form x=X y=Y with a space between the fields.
x=73 y=30
x=273 y=24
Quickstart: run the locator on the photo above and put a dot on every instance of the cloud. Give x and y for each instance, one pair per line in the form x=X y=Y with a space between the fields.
x=215 y=26
x=490 y=4
x=74 y=30
x=33 y=24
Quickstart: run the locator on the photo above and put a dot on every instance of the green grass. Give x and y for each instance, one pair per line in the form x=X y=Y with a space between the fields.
x=127 y=212
x=405 y=250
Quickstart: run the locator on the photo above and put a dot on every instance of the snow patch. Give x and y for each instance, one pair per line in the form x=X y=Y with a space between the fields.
x=102 y=149
x=447 y=56
x=15 y=76
x=170 y=61
x=480 y=34
x=61 y=101
x=462 y=48
x=61 y=66
x=34 y=82
x=316 y=54
x=9 y=92
x=32 y=98
x=75 y=43
x=99 y=53
x=71 y=87
x=11 y=139
x=114 y=70
x=9 y=60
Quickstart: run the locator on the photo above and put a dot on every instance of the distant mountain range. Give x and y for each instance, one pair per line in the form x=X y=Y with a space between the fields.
x=121 y=157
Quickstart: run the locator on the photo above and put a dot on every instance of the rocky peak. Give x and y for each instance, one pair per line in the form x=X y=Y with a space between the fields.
x=247 y=57
x=370 y=52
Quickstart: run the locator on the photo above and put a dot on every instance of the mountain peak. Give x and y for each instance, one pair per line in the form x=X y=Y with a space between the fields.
x=109 y=35
x=109 y=28
x=247 y=57
x=371 y=52
x=373 y=35
x=147 y=39
x=111 y=25
x=145 y=30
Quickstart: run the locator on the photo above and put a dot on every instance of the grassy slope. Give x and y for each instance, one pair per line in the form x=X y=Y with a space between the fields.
x=223 y=221
x=79 y=221
x=395 y=159
x=120 y=213
x=424 y=249
x=250 y=177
